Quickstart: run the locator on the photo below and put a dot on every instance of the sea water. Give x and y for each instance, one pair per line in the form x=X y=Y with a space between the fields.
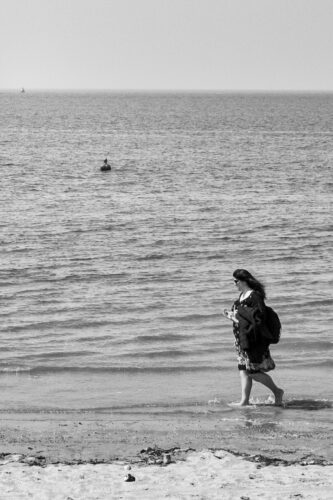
x=113 y=284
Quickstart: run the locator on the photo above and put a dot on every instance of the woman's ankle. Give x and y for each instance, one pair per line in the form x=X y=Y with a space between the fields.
x=278 y=394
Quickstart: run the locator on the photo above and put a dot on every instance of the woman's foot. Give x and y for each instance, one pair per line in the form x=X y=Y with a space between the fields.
x=278 y=397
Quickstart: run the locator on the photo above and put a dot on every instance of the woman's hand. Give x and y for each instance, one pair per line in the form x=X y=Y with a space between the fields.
x=230 y=315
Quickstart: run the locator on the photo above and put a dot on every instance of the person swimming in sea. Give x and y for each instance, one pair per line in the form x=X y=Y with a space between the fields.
x=106 y=166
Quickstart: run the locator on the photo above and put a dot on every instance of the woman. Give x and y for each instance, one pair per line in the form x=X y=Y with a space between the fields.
x=248 y=317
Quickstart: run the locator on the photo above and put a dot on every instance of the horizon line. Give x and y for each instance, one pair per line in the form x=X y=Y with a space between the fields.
x=162 y=90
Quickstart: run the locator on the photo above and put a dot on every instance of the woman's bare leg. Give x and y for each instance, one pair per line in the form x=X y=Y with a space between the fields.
x=266 y=380
x=246 y=385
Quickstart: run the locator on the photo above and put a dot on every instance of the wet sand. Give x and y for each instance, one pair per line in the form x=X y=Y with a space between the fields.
x=84 y=455
x=86 y=436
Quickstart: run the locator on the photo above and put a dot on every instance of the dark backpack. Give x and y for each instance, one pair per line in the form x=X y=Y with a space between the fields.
x=273 y=324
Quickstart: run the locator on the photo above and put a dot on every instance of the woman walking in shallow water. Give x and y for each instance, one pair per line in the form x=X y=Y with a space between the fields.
x=248 y=317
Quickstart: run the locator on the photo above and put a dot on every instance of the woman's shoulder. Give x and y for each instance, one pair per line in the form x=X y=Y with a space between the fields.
x=255 y=293
x=256 y=298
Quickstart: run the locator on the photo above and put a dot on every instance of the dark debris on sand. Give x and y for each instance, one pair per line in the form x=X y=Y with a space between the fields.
x=160 y=456
x=264 y=461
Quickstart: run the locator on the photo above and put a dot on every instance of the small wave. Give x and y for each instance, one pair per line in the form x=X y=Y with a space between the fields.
x=159 y=338
x=192 y=317
x=310 y=363
x=139 y=408
x=43 y=370
x=56 y=324
x=160 y=405
x=95 y=338
x=308 y=404
x=216 y=257
x=154 y=256
x=170 y=353
x=309 y=345
x=77 y=278
x=56 y=354
x=315 y=303
x=173 y=353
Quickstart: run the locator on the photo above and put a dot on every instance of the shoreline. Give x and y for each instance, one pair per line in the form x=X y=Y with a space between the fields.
x=88 y=437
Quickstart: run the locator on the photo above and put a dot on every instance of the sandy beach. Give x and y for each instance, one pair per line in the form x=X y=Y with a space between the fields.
x=86 y=459
x=204 y=475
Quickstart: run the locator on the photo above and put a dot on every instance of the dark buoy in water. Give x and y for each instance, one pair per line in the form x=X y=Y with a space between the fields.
x=106 y=167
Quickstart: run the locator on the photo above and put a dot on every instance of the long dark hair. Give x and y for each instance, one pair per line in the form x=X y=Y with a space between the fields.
x=244 y=275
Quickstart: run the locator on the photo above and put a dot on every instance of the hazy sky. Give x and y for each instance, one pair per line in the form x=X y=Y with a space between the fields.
x=167 y=44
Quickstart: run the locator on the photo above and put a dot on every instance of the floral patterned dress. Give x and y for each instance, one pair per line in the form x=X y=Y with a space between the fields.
x=259 y=359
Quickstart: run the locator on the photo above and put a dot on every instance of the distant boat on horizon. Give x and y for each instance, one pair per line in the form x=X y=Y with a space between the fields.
x=22 y=90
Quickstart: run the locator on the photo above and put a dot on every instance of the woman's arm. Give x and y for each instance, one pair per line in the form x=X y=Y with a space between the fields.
x=258 y=305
